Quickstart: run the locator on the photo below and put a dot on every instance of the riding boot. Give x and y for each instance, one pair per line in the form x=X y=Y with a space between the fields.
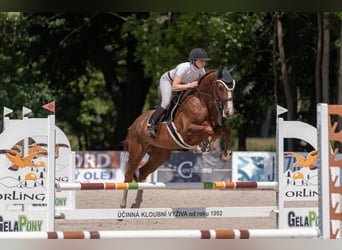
x=155 y=120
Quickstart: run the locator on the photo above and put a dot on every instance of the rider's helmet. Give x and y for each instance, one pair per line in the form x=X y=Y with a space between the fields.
x=198 y=54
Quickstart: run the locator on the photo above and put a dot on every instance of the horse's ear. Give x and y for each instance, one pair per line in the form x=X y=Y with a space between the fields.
x=233 y=69
x=220 y=72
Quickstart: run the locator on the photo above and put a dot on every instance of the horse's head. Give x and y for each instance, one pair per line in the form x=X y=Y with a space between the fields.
x=225 y=85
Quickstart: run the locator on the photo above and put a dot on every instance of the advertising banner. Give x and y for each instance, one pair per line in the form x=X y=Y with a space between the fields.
x=192 y=167
x=254 y=166
x=99 y=166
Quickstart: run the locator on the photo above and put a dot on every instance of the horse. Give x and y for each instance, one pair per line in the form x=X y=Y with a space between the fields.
x=198 y=119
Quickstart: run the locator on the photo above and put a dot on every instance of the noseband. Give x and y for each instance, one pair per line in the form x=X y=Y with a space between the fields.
x=220 y=103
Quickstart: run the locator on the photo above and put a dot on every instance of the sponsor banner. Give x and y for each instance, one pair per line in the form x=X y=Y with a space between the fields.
x=18 y=222
x=300 y=217
x=254 y=166
x=98 y=159
x=167 y=213
x=99 y=166
x=102 y=166
x=192 y=167
x=98 y=175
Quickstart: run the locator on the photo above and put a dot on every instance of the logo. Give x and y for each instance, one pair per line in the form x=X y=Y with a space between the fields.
x=20 y=225
x=309 y=220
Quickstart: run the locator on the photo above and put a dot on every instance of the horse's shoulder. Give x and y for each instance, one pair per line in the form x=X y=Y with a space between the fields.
x=193 y=107
x=187 y=94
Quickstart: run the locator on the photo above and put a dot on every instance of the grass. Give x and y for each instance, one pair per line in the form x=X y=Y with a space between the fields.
x=261 y=144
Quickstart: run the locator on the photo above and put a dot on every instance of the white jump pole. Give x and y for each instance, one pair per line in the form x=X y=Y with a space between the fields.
x=308 y=233
x=167 y=185
x=51 y=173
x=322 y=127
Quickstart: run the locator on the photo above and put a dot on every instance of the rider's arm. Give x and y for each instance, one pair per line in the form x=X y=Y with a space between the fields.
x=177 y=84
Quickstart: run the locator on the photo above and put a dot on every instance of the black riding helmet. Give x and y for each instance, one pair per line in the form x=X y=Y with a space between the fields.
x=198 y=54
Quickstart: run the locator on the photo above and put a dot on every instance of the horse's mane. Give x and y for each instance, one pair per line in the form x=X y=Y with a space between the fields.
x=206 y=73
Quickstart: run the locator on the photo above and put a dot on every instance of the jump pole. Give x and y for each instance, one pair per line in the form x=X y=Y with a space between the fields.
x=166 y=185
x=170 y=234
x=51 y=173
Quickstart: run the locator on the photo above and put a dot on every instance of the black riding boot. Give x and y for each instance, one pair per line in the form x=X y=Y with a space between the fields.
x=155 y=120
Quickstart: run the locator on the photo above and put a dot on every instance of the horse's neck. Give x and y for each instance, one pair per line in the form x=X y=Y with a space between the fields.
x=206 y=95
x=206 y=88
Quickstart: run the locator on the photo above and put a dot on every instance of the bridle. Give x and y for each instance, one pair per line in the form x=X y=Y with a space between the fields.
x=219 y=103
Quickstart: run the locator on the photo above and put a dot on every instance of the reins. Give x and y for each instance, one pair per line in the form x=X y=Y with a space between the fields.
x=214 y=99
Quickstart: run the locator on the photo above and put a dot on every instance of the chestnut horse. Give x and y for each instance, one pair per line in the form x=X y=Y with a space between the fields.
x=198 y=119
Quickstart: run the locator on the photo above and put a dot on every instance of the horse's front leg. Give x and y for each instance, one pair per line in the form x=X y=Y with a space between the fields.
x=226 y=155
x=227 y=152
x=194 y=129
x=225 y=133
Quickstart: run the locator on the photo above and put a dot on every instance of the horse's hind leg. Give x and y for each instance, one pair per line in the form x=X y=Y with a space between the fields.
x=123 y=202
x=138 y=199
x=157 y=157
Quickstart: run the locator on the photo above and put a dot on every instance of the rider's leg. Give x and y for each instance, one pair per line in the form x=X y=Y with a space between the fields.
x=166 y=93
x=155 y=121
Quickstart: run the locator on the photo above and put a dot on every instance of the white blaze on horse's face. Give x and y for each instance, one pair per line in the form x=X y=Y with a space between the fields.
x=228 y=106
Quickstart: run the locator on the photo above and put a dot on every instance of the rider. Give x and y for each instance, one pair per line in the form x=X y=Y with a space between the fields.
x=184 y=76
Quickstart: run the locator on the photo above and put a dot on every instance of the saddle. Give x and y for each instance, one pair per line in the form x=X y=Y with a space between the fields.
x=176 y=101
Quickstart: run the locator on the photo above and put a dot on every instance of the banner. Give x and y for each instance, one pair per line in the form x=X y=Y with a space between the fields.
x=254 y=166
x=99 y=166
x=192 y=167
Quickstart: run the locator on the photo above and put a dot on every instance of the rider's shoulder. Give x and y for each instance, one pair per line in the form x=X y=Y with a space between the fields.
x=184 y=65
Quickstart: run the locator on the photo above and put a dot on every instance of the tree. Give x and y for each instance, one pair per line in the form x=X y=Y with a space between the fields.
x=65 y=51
x=286 y=84
x=325 y=59
x=318 y=80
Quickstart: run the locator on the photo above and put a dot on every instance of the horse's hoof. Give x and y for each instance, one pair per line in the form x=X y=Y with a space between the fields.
x=197 y=149
x=135 y=205
x=224 y=157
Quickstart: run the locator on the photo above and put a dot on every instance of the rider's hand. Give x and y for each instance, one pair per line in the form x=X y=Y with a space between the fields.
x=194 y=84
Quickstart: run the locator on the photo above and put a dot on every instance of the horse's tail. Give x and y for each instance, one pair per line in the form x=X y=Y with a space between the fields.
x=125 y=144
x=125 y=148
